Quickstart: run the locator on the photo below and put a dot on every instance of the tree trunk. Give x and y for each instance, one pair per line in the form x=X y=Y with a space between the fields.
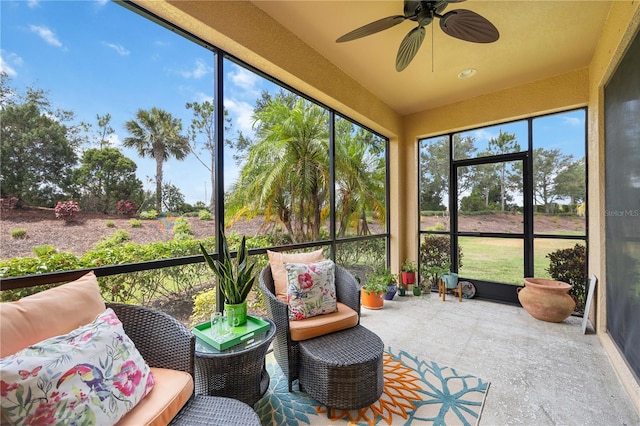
x=158 y=182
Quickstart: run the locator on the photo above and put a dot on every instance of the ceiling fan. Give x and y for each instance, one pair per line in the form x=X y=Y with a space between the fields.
x=459 y=23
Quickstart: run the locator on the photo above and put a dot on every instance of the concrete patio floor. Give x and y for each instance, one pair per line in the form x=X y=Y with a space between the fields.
x=541 y=373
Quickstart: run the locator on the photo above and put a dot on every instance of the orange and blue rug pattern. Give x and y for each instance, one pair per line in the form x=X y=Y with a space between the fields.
x=415 y=392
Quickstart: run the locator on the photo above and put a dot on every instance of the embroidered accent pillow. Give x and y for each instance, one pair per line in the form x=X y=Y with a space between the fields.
x=92 y=375
x=279 y=273
x=312 y=289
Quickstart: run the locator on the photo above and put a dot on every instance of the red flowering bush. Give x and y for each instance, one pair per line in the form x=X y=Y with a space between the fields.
x=126 y=208
x=8 y=203
x=67 y=210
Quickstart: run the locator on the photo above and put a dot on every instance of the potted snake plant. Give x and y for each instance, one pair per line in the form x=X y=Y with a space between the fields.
x=235 y=279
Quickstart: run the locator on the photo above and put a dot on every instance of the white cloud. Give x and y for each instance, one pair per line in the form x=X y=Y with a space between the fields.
x=46 y=34
x=572 y=121
x=6 y=68
x=200 y=70
x=245 y=79
x=203 y=97
x=33 y=4
x=120 y=49
x=5 y=65
x=114 y=140
x=102 y=2
x=243 y=113
x=483 y=135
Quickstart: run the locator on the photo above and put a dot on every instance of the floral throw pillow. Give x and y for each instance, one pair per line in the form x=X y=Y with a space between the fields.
x=312 y=289
x=93 y=375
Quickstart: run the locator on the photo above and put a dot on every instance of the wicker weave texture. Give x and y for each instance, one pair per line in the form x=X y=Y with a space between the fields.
x=162 y=340
x=213 y=411
x=285 y=350
x=343 y=370
x=237 y=374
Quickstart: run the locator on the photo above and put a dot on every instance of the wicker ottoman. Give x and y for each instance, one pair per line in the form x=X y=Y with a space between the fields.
x=343 y=370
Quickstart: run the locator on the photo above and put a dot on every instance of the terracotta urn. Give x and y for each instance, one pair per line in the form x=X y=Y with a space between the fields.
x=546 y=300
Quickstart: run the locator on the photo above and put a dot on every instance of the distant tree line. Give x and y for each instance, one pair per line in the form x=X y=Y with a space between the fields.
x=490 y=187
x=284 y=169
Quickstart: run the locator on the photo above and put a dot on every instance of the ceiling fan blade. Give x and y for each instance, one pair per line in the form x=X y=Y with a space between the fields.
x=469 y=26
x=372 y=28
x=409 y=47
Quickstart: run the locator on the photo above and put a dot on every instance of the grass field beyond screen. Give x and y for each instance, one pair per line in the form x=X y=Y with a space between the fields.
x=501 y=259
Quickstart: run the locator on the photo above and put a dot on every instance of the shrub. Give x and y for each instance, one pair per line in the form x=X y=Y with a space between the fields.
x=435 y=252
x=204 y=304
x=67 y=210
x=570 y=266
x=126 y=208
x=135 y=223
x=204 y=215
x=110 y=224
x=8 y=203
x=116 y=239
x=148 y=215
x=19 y=233
x=20 y=266
x=44 y=250
x=182 y=229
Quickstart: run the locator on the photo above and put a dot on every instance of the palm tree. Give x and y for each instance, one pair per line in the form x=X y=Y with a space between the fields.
x=156 y=134
x=360 y=177
x=287 y=167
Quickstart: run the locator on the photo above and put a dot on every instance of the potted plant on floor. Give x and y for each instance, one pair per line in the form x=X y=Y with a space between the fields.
x=408 y=272
x=436 y=272
x=392 y=283
x=373 y=291
x=234 y=278
x=402 y=289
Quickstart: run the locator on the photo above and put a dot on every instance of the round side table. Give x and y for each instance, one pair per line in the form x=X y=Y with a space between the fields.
x=237 y=372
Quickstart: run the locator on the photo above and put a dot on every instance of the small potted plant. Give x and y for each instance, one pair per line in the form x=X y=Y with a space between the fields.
x=373 y=291
x=402 y=289
x=392 y=283
x=436 y=272
x=408 y=272
x=235 y=279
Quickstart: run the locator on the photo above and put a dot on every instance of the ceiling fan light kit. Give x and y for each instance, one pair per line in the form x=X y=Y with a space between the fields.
x=470 y=72
x=459 y=23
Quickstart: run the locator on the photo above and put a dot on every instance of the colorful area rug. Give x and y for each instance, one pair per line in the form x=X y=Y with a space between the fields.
x=415 y=392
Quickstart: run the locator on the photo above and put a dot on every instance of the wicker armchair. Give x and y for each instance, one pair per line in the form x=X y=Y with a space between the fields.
x=286 y=351
x=164 y=342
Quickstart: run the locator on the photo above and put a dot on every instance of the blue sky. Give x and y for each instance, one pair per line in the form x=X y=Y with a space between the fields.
x=97 y=57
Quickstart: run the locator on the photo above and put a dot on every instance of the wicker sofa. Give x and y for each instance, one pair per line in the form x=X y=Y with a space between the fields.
x=165 y=345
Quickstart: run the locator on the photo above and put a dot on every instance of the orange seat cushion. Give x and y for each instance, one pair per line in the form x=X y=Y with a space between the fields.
x=279 y=272
x=308 y=328
x=170 y=393
x=49 y=313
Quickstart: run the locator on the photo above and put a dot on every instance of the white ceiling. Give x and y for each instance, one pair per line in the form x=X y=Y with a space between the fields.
x=538 y=39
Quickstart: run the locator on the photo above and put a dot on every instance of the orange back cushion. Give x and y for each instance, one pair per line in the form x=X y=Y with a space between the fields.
x=49 y=313
x=279 y=273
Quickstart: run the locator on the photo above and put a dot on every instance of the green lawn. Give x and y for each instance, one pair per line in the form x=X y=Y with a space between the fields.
x=501 y=259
